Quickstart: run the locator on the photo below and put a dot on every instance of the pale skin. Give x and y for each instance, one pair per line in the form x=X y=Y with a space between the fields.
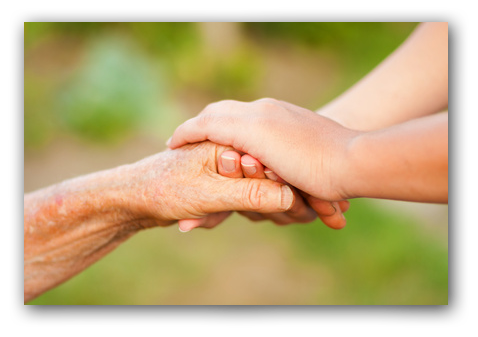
x=389 y=142
x=70 y=225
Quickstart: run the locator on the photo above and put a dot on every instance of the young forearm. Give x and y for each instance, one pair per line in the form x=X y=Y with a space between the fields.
x=412 y=82
x=404 y=162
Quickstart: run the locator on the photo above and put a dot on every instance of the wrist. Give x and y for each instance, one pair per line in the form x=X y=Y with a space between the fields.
x=105 y=196
x=349 y=165
x=363 y=166
x=136 y=190
x=148 y=187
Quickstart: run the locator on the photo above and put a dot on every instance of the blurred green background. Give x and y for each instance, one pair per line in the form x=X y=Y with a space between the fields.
x=97 y=95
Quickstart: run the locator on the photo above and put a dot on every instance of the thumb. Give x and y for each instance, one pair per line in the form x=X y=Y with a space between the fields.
x=255 y=195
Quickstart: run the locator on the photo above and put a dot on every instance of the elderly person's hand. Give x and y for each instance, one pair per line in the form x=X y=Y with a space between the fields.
x=185 y=183
x=305 y=209
x=70 y=225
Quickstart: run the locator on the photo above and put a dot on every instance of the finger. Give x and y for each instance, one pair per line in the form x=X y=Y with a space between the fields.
x=257 y=170
x=344 y=205
x=185 y=225
x=256 y=195
x=300 y=211
x=322 y=207
x=329 y=212
x=270 y=174
x=210 y=221
x=280 y=219
x=251 y=167
x=253 y=216
x=228 y=165
x=215 y=219
x=217 y=123
x=273 y=176
x=188 y=132
x=277 y=218
x=336 y=221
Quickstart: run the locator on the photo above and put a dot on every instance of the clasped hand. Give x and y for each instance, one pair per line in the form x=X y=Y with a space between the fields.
x=277 y=141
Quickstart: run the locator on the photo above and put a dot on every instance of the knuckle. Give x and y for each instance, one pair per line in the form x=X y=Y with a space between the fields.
x=212 y=107
x=218 y=106
x=268 y=100
x=218 y=112
x=269 y=107
x=266 y=104
x=252 y=196
x=206 y=119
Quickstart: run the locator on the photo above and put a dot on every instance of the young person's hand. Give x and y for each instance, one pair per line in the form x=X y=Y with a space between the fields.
x=307 y=150
x=305 y=209
x=331 y=213
x=407 y=161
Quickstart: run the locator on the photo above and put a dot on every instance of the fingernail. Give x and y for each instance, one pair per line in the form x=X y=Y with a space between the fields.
x=271 y=175
x=249 y=169
x=333 y=206
x=183 y=231
x=336 y=207
x=168 y=141
x=228 y=163
x=287 y=197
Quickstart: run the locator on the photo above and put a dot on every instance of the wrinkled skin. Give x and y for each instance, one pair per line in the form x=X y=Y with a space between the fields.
x=70 y=225
x=186 y=184
x=305 y=209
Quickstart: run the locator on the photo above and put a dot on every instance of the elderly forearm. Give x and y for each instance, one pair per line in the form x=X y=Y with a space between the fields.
x=404 y=162
x=412 y=82
x=69 y=226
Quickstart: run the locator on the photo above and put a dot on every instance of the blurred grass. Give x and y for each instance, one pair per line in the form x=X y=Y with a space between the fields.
x=379 y=258
x=112 y=93
x=105 y=83
x=383 y=258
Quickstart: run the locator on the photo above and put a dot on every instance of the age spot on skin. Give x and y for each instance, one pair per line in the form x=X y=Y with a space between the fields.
x=59 y=200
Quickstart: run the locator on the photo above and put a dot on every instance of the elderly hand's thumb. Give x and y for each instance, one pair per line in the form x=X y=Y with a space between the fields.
x=257 y=195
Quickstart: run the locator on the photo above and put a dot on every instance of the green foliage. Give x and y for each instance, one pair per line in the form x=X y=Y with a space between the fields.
x=112 y=92
x=39 y=122
x=164 y=39
x=236 y=77
x=381 y=257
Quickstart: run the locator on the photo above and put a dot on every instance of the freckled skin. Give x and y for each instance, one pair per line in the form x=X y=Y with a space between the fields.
x=59 y=200
x=70 y=225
